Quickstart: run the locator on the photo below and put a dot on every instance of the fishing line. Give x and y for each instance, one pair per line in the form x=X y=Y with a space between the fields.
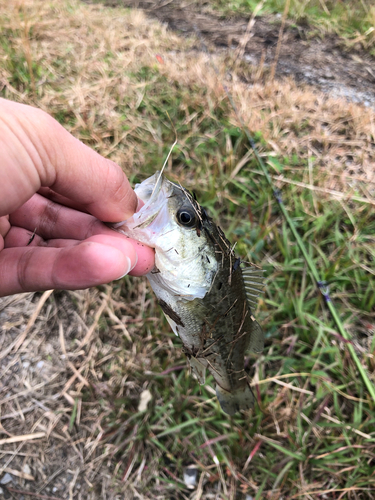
x=321 y=284
x=167 y=158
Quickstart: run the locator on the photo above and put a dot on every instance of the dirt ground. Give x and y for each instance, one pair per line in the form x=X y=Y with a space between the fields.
x=324 y=63
x=37 y=380
x=53 y=445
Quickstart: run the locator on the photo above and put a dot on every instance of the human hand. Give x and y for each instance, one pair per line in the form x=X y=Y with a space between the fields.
x=54 y=193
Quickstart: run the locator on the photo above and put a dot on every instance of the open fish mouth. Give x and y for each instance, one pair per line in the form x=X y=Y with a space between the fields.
x=153 y=192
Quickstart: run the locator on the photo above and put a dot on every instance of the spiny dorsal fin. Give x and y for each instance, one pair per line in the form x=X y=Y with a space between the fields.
x=253 y=280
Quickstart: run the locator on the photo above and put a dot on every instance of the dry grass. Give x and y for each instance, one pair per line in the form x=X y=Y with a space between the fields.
x=77 y=378
x=82 y=56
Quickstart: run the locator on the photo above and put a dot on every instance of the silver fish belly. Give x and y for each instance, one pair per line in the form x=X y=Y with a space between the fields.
x=205 y=293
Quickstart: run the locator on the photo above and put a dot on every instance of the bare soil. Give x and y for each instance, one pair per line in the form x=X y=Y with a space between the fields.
x=323 y=63
x=37 y=380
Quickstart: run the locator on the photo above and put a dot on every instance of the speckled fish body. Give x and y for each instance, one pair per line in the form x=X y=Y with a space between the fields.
x=205 y=293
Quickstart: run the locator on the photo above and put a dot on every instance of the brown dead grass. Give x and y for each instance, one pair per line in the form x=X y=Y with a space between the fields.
x=85 y=52
x=54 y=384
x=60 y=380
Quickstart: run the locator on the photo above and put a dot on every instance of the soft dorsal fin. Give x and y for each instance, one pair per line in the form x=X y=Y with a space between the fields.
x=253 y=280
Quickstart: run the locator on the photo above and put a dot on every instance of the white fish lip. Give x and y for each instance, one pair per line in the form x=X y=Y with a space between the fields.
x=153 y=193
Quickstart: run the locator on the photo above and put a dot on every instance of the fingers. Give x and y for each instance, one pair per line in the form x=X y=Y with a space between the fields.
x=70 y=248
x=95 y=261
x=52 y=220
x=37 y=151
x=40 y=222
x=19 y=237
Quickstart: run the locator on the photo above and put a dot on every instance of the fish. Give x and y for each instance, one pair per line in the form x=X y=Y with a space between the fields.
x=206 y=293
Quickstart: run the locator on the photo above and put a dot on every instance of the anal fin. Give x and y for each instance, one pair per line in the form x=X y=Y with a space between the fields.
x=231 y=402
x=198 y=367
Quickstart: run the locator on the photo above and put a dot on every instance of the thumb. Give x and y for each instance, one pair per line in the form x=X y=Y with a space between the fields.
x=38 y=152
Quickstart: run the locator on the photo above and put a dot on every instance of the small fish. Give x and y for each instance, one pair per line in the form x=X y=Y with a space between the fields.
x=204 y=291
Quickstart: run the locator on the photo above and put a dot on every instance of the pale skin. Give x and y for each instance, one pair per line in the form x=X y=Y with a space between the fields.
x=55 y=194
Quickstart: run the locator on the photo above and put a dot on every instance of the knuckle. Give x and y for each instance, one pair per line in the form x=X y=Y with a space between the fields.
x=22 y=268
x=93 y=227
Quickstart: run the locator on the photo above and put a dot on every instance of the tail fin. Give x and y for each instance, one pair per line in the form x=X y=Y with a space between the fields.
x=239 y=399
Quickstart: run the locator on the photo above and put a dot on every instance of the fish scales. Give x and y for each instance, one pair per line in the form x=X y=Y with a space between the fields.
x=227 y=327
x=204 y=292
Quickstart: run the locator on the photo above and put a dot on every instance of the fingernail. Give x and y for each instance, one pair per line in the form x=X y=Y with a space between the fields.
x=130 y=266
x=115 y=225
x=135 y=262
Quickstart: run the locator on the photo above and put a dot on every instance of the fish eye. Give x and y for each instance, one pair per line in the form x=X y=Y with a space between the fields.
x=186 y=217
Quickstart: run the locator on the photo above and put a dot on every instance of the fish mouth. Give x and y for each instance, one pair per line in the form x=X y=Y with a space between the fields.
x=154 y=192
x=149 y=190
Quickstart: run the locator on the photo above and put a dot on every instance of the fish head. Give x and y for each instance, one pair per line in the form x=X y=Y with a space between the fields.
x=178 y=228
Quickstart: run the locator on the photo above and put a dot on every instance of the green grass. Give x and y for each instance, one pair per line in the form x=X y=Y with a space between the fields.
x=312 y=430
x=354 y=20
x=301 y=337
